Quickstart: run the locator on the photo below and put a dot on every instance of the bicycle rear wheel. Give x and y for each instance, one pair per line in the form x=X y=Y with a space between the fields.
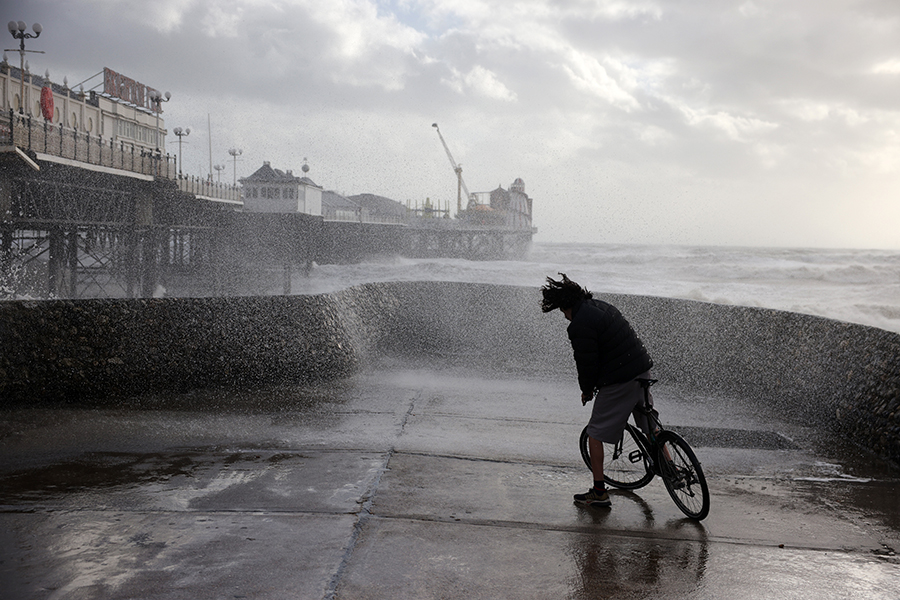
x=683 y=475
x=624 y=463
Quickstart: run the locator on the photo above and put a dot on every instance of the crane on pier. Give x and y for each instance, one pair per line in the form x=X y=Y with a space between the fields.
x=460 y=185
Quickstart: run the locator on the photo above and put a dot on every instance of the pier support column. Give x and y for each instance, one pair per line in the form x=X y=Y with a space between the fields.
x=130 y=268
x=72 y=262
x=56 y=263
x=144 y=249
x=149 y=260
x=6 y=235
x=6 y=238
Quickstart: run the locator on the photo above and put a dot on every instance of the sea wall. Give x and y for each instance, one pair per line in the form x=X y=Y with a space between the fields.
x=88 y=350
x=832 y=374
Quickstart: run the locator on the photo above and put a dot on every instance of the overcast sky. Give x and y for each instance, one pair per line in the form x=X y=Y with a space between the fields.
x=758 y=122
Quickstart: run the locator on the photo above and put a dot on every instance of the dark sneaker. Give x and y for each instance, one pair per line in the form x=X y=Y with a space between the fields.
x=593 y=497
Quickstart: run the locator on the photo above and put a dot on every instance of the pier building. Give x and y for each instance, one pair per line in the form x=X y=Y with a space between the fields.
x=510 y=209
x=275 y=191
x=124 y=111
x=336 y=207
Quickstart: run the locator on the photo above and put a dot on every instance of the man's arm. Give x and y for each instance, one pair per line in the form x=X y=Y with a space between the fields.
x=586 y=331
x=586 y=350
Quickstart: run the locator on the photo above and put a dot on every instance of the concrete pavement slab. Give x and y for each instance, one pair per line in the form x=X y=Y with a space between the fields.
x=400 y=485
x=192 y=480
x=102 y=555
x=403 y=559
x=452 y=489
x=343 y=414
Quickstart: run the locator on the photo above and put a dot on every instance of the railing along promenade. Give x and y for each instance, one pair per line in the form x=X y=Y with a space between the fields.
x=204 y=188
x=365 y=218
x=43 y=137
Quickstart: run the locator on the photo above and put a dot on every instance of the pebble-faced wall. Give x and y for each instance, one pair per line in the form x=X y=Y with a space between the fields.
x=838 y=375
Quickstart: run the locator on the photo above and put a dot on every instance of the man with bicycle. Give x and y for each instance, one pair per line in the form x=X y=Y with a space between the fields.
x=610 y=358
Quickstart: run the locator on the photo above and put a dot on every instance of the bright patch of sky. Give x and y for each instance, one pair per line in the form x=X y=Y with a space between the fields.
x=415 y=15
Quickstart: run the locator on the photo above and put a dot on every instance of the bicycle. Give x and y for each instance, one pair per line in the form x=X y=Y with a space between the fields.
x=634 y=460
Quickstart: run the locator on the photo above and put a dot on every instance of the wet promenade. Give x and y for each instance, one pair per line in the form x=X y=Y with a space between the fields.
x=416 y=484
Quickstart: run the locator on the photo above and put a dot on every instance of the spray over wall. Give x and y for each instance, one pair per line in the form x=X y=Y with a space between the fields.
x=834 y=374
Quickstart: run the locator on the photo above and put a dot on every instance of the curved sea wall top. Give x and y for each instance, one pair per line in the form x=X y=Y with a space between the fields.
x=834 y=374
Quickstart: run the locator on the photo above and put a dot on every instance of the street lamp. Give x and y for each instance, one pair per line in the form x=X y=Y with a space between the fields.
x=219 y=169
x=180 y=133
x=235 y=152
x=17 y=30
x=157 y=99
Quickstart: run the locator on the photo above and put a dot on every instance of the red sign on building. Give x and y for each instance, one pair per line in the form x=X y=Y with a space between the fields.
x=127 y=89
x=47 y=102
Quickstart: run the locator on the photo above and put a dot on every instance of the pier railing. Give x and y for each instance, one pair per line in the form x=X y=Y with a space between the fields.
x=43 y=137
x=363 y=217
x=199 y=186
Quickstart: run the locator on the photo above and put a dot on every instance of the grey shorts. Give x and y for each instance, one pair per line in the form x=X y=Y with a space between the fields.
x=612 y=406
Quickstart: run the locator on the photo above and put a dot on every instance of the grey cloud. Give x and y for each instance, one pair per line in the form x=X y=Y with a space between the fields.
x=676 y=105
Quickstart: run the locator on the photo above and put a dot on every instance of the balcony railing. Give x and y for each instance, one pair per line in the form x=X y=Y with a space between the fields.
x=80 y=146
x=43 y=137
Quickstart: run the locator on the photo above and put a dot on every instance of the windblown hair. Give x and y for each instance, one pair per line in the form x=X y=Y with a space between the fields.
x=564 y=293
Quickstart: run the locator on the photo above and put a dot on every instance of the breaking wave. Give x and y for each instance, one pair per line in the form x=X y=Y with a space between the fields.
x=857 y=286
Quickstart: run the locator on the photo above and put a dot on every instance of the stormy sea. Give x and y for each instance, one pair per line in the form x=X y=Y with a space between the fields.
x=856 y=286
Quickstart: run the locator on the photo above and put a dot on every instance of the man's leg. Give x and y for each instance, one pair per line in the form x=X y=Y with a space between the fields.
x=612 y=406
x=595 y=447
x=596 y=496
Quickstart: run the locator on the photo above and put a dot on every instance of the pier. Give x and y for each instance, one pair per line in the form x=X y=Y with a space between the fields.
x=91 y=205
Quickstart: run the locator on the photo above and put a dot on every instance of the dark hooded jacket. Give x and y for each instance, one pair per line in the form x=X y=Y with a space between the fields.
x=607 y=350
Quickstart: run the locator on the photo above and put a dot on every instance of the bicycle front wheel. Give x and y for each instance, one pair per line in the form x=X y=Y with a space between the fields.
x=624 y=463
x=683 y=476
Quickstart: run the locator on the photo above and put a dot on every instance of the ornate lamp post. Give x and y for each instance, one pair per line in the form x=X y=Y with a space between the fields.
x=235 y=152
x=17 y=30
x=157 y=99
x=180 y=133
x=219 y=169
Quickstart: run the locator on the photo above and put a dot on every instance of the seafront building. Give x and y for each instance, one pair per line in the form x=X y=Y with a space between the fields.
x=275 y=191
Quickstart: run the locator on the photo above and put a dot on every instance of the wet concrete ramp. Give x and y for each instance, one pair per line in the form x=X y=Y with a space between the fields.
x=412 y=484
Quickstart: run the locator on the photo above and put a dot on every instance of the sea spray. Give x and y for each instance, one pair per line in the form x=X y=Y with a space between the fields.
x=812 y=369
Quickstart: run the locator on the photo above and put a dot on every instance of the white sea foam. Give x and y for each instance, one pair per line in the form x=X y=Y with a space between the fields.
x=858 y=286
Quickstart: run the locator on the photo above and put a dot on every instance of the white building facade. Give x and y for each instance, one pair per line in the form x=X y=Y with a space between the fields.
x=123 y=111
x=273 y=191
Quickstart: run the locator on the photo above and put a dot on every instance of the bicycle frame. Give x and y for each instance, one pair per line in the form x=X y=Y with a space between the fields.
x=647 y=439
x=661 y=453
